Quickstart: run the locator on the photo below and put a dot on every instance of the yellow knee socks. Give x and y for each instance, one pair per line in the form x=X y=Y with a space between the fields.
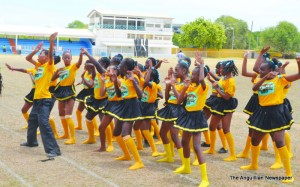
x=255 y=150
x=185 y=168
x=230 y=142
x=124 y=148
x=287 y=139
x=70 y=124
x=108 y=134
x=150 y=140
x=169 y=157
x=286 y=161
x=53 y=127
x=204 y=178
x=207 y=137
x=139 y=139
x=245 y=153
x=133 y=149
x=26 y=116
x=277 y=163
x=90 y=128
x=156 y=130
x=223 y=138
x=65 y=127
x=79 y=120
x=211 y=149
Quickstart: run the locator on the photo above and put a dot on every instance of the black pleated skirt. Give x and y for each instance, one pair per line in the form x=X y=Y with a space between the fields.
x=29 y=97
x=169 y=112
x=192 y=121
x=271 y=118
x=222 y=106
x=64 y=92
x=83 y=93
x=252 y=105
x=94 y=105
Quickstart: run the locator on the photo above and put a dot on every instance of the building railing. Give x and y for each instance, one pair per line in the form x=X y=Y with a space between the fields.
x=121 y=27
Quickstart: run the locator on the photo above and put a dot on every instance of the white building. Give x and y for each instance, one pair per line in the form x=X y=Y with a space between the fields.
x=116 y=33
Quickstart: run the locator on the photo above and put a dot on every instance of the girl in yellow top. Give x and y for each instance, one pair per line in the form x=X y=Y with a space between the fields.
x=192 y=119
x=95 y=103
x=273 y=116
x=65 y=94
x=111 y=107
x=148 y=106
x=223 y=109
x=29 y=97
x=128 y=112
x=211 y=101
x=169 y=114
x=87 y=90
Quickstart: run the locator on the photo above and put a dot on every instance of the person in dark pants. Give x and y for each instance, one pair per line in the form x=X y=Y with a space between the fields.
x=43 y=103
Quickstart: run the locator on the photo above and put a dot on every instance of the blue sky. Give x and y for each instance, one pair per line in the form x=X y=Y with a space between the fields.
x=61 y=12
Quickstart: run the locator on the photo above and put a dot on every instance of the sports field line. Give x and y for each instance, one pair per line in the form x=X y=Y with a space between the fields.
x=67 y=159
x=11 y=172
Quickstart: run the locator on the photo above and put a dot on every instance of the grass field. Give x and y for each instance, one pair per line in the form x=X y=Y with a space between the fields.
x=80 y=166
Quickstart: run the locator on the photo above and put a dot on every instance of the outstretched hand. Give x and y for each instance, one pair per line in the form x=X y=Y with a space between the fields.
x=246 y=54
x=187 y=83
x=271 y=74
x=199 y=59
x=264 y=49
x=53 y=36
x=9 y=67
x=39 y=46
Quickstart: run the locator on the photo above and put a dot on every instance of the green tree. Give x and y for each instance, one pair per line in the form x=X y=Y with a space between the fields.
x=284 y=37
x=202 y=33
x=77 y=25
x=235 y=28
x=176 y=39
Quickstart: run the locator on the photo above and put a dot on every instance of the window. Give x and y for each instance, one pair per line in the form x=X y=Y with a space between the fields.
x=157 y=25
x=150 y=25
x=167 y=25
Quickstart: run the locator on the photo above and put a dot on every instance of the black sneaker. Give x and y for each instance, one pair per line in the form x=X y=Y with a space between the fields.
x=146 y=144
x=25 y=144
x=204 y=144
x=222 y=150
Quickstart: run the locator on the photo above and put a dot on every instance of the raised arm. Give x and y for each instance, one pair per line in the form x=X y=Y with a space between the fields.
x=36 y=50
x=200 y=63
x=78 y=64
x=214 y=76
x=294 y=77
x=50 y=54
x=98 y=66
x=160 y=62
x=244 y=67
x=260 y=59
x=16 y=69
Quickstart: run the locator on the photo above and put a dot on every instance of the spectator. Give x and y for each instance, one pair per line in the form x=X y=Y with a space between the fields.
x=180 y=55
x=4 y=49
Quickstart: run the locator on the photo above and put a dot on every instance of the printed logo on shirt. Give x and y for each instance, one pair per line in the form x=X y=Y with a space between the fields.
x=124 y=91
x=64 y=74
x=191 y=99
x=266 y=89
x=39 y=73
x=111 y=92
x=172 y=96
x=221 y=88
x=96 y=83
x=145 y=97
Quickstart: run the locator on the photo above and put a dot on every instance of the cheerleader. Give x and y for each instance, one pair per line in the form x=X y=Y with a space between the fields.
x=95 y=103
x=192 y=119
x=168 y=115
x=224 y=107
x=208 y=104
x=128 y=111
x=106 y=124
x=29 y=97
x=88 y=89
x=273 y=116
x=64 y=92
x=148 y=106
